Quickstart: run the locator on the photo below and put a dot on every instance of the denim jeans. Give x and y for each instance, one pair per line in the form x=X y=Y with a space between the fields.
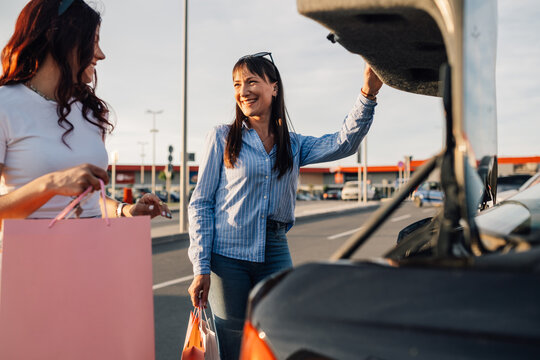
x=231 y=282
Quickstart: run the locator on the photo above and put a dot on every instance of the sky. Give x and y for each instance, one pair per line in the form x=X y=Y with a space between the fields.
x=143 y=71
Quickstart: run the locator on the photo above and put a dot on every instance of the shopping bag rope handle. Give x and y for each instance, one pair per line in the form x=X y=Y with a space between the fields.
x=201 y=312
x=74 y=203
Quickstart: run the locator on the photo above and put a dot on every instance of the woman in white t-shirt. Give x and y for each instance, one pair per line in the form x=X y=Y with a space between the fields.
x=52 y=124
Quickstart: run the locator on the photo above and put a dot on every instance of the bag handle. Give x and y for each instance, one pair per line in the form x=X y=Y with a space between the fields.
x=201 y=309
x=77 y=200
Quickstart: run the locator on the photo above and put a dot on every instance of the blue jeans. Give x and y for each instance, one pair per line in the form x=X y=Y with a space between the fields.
x=231 y=282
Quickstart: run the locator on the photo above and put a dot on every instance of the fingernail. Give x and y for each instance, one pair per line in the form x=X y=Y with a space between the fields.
x=151 y=207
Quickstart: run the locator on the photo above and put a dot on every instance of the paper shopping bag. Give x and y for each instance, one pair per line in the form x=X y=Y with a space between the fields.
x=193 y=344
x=210 y=344
x=79 y=290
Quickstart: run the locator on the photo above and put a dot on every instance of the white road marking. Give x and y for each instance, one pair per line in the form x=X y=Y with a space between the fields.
x=333 y=237
x=399 y=218
x=172 y=282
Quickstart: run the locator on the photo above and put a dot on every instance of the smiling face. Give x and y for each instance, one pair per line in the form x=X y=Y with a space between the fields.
x=253 y=94
x=88 y=74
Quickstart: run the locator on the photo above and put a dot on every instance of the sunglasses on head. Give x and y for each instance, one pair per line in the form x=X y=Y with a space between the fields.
x=64 y=5
x=260 y=54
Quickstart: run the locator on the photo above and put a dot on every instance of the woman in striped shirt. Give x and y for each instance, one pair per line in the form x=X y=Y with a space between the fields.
x=244 y=200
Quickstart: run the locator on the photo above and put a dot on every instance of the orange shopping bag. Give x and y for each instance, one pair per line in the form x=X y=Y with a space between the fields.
x=193 y=345
x=80 y=289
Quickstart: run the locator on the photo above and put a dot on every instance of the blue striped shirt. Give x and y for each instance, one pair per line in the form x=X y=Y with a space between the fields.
x=229 y=207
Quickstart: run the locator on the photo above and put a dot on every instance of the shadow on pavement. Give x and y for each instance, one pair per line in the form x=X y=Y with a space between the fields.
x=171 y=318
x=169 y=246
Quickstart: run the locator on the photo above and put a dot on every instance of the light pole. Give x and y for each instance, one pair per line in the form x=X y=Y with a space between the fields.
x=364 y=182
x=184 y=174
x=114 y=161
x=143 y=144
x=153 y=130
x=359 y=162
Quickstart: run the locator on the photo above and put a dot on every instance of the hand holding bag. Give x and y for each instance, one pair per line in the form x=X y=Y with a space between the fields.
x=77 y=289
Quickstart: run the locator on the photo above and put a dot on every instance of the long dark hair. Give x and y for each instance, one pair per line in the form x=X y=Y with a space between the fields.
x=40 y=31
x=262 y=67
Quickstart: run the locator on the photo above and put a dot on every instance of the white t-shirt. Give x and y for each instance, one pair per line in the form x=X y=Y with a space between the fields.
x=31 y=145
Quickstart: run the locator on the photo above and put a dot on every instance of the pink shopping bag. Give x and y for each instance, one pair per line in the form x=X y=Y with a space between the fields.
x=81 y=289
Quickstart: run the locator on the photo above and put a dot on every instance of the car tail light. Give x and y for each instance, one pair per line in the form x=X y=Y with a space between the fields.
x=253 y=345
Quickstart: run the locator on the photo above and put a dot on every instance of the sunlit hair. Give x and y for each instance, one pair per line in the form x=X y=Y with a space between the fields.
x=39 y=31
x=278 y=118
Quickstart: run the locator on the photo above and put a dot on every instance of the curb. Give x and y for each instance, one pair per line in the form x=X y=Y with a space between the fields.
x=158 y=240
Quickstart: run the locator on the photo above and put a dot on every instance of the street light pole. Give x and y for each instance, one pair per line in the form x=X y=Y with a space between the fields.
x=364 y=182
x=142 y=143
x=359 y=163
x=184 y=174
x=153 y=130
x=114 y=161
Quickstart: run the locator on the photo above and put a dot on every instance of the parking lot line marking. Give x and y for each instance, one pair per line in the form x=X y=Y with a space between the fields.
x=399 y=218
x=333 y=237
x=172 y=282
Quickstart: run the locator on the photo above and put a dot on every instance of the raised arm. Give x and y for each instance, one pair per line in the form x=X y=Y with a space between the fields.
x=345 y=142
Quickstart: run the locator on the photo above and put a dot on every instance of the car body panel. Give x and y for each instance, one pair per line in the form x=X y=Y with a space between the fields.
x=370 y=311
x=418 y=49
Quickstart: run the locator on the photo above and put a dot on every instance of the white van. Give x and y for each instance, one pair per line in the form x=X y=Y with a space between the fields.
x=350 y=191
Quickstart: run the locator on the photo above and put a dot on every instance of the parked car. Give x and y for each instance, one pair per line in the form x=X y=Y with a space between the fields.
x=332 y=194
x=350 y=191
x=302 y=196
x=139 y=191
x=459 y=285
x=118 y=194
x=429 y=192
x=510 y=182
x=509 y=185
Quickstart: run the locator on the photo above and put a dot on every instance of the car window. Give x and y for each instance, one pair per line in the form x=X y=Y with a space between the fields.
x=350 y=185
x=434 y=186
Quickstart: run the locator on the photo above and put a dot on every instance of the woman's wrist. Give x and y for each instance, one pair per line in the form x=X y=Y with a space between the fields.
x=369 y=95
x=122 y=209
x=48 y=184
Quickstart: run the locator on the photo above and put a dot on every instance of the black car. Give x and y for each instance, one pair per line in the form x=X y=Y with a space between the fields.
x=511 y=182
x=332 y=194
x=459 y=285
